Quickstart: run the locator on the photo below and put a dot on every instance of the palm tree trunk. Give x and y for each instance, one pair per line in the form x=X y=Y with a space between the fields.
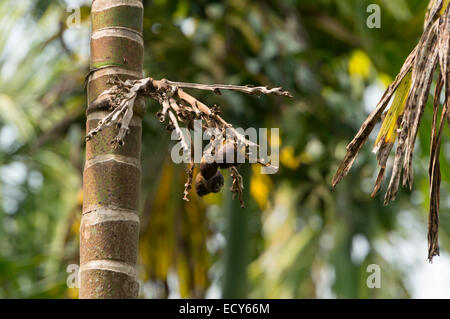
x=111 y=179
x=236 y=250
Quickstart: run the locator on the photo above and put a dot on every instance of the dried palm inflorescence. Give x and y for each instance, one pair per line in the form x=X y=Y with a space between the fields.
x=178 y=106
x=411 y=88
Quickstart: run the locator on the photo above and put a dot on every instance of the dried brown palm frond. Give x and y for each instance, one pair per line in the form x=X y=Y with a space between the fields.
x=410 y=90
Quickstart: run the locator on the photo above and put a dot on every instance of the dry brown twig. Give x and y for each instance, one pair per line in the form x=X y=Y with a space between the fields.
x=411 y=86
x=237 y=185
x=178 y=106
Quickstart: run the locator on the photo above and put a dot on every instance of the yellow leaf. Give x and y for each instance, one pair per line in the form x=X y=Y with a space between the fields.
x=385 y=79
x=359 y=64
x=260 y=186
x=444 y=6
x=72 y=293
x=288 y=159
x=388 y=127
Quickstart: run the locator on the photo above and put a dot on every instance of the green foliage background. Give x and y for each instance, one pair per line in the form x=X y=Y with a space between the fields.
x=297 y=238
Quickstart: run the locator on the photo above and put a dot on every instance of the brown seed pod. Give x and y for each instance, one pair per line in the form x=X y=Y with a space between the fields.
x=200 y=185
x=215 y=183
x=208 y=170
x=227 y=155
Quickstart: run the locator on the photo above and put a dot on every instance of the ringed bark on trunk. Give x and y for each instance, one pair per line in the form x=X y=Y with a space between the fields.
x=109 y=230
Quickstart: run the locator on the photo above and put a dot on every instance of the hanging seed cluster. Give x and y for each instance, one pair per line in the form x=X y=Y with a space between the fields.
x=180 y=107
x=401 y=122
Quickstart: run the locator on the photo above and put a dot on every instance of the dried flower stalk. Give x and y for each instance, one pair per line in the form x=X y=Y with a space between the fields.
x=178 y=106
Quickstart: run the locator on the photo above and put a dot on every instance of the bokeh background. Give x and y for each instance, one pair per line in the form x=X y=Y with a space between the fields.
x=297 y=238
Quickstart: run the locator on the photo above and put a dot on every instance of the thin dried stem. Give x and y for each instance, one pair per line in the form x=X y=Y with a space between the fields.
x=248 y=89
x=188 y=184
x=237 y=185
